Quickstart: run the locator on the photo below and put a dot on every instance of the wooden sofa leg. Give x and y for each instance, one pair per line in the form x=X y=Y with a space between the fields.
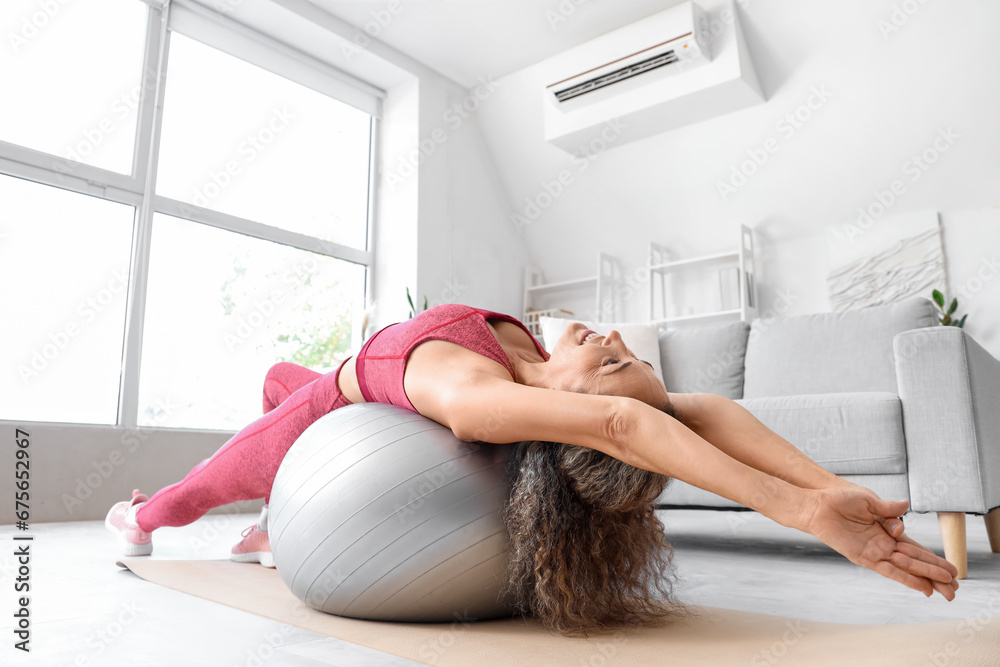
x=953 y=535
x=992 y=519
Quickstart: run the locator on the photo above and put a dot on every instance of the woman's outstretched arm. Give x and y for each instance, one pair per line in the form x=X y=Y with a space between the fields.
x=845 y=517
x=730 y=427
x=487 y=408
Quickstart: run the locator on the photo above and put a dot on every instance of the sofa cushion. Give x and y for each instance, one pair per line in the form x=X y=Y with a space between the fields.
x=830 y=352
x=852 y=433
x=705 y=359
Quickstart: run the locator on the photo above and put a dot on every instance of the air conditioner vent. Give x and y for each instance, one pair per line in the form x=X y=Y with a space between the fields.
x=617 y=76
x=673 y=68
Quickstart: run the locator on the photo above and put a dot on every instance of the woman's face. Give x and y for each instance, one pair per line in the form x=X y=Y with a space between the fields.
x=587 y=362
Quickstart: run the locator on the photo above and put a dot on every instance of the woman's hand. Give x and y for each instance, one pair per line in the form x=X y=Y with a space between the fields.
x=945 y=589
x=892 y=524
x=850 y=520
x=894 y=527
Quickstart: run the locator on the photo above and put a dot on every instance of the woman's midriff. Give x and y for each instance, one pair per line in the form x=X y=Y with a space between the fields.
x=348 y=382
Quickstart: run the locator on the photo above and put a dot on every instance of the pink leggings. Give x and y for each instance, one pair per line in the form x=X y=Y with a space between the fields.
x=244 y=467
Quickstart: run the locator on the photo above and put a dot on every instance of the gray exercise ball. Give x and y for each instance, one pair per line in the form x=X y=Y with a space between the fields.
x=380 y=513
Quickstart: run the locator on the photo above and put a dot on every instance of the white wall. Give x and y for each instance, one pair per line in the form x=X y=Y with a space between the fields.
x=467 y=251
x=440 y=226
x=880 y=95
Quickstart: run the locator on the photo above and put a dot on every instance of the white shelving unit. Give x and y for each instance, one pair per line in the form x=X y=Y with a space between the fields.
x=661 y=268
x=602 y=284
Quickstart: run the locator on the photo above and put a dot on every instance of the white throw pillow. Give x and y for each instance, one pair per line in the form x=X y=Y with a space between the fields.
x=642 y=339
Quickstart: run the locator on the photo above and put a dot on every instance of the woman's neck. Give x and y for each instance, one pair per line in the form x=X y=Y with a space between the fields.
x=529 y=369
x=520 y=349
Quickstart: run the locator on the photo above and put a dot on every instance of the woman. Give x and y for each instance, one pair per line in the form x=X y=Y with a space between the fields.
x=587 y=551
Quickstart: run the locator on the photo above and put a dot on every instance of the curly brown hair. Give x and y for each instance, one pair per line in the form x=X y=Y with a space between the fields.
x=587 y=552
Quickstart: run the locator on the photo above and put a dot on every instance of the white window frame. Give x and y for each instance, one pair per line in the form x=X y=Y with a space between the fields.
x=137 y=189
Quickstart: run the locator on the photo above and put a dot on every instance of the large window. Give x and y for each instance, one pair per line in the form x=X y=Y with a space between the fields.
x=183 y=202
x=223 y=304
x=64 y=261
x=243 y=141
x=71 y=75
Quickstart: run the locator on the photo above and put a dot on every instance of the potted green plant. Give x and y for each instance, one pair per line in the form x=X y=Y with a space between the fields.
x=413 y=309
x=945 y=316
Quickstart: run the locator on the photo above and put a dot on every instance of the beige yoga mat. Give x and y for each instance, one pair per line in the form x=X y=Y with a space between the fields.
x=711 y=637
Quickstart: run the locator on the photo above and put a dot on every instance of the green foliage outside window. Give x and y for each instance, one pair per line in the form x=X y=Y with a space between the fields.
x=315 y=332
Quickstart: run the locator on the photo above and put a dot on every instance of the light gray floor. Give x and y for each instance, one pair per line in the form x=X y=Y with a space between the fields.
x=87 y=612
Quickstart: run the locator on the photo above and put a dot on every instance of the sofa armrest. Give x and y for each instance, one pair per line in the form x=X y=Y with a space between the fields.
x=949 y=387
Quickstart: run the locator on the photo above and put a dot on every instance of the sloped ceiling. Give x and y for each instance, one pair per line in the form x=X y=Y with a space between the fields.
x=466 y=39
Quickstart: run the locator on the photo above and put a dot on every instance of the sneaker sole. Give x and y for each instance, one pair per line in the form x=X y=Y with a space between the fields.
x=137 y=549
x=129 y=548
x=265 y=558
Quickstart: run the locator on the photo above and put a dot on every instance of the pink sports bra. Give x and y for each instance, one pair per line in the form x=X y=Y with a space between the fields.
x=382 y=360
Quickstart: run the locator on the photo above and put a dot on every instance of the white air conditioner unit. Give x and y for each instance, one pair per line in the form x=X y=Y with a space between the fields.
x=662 y=45
x=671 y=69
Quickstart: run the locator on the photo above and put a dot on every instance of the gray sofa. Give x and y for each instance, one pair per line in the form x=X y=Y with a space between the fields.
x=884 y=397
